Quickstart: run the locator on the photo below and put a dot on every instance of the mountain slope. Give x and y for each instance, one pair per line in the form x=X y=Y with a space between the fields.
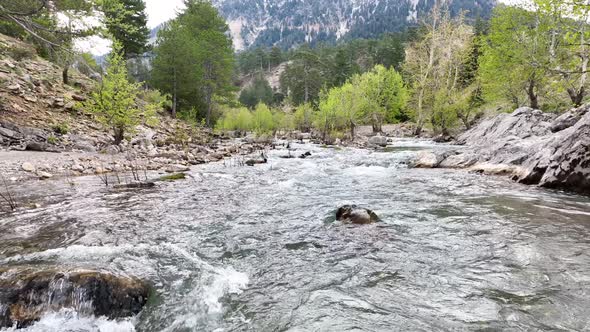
x=290 y=22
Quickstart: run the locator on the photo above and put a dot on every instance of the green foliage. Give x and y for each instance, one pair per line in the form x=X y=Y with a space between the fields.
x=371 y=98
x=262 y=120
x=259 y=92
x=61 y=128
x=194 y=59
x=115 y=101
x=52 y=140
x=126 y=21
x=303 y=117
x=506 y=68
x=239 y=119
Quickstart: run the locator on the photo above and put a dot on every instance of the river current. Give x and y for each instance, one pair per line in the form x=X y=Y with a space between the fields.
x=257 y=249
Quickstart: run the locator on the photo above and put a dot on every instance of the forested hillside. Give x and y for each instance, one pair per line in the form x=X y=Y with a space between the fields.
x=288 y=23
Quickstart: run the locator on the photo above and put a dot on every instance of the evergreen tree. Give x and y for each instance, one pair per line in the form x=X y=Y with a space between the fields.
x=194 y=58
x=259 y=92
x=342 y=69
x=126 y=21
x=276 y=56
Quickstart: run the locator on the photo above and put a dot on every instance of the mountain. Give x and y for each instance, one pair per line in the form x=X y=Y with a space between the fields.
x=286 y=23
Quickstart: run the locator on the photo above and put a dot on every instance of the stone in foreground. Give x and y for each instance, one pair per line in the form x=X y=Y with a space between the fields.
x=26 y=294
x=352 y=214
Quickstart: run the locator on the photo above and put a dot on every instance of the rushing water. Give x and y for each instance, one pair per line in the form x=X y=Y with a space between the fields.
x=256 y=248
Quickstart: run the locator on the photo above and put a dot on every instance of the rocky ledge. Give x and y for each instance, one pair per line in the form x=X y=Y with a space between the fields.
x=528 y=145
x=28 y=293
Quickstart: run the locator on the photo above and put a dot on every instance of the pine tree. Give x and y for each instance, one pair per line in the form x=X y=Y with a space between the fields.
x=194 y=58
x=126 y=21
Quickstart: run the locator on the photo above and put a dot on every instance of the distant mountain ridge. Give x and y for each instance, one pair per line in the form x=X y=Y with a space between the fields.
x=287 y=23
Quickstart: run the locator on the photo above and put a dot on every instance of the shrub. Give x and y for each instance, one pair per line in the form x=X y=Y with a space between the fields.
x=236 y=119
x=61 y=128
x=263 y=122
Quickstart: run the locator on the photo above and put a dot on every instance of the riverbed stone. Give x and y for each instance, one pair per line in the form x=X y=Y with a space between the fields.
x=28 y=167
x=44 y=175
x=26 y=293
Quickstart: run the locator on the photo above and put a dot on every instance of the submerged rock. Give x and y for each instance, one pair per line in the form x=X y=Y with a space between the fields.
x=26 y=294
x=353 y=214
x=305 y=155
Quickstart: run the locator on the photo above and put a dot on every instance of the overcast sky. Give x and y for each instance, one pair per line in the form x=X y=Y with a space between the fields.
x=160 y=11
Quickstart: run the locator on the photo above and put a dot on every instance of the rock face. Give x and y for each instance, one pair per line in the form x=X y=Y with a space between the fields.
x=353 y=214
x=25 y=295
x=531 y=146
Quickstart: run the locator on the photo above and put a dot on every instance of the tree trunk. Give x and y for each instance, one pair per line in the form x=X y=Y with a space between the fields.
x=174 y=96
x=64 y=75
x=376 y=124
x=352 y=127
x=576 y=96
x=119 y=135
x=209 y=107
x=533 y=98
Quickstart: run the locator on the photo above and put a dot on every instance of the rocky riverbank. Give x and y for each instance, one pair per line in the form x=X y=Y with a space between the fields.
x=528 y=145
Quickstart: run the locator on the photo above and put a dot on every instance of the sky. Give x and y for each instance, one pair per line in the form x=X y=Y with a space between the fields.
x=160 y=11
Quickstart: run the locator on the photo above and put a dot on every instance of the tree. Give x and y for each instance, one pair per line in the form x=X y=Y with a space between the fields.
x=38 y=20
x=114 y=103
x=194 y=58
x=384 y=93
x=566 y=24
x=126 y=21
x=342 y=68
x=303 y=117
x=515 y=56
x=433 y=67
x=262 y=121
x=276 y=56
x=259 y=92
x=303 y=79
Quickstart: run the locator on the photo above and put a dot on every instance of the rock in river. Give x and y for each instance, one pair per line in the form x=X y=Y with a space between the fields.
x=353 y=214
x=27 y=293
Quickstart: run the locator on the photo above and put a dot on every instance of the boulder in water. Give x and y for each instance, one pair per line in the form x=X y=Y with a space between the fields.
x=352 y=214
x=26 y=294
x=305 y=155
x=378 y=141
x=262 y=160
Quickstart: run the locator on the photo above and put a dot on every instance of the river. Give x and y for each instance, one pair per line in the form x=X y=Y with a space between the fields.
x=257 y=249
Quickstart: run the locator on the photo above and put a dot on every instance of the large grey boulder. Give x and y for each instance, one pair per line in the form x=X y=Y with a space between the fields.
x=563 y=160
x=378 y=141
x=531 y=146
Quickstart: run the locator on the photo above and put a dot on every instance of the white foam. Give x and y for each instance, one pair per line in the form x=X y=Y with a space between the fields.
x=69 y=320
x=226 y=281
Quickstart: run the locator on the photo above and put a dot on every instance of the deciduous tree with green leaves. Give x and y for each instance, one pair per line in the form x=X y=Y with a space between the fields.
x=516 y=56
x=114 y=103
